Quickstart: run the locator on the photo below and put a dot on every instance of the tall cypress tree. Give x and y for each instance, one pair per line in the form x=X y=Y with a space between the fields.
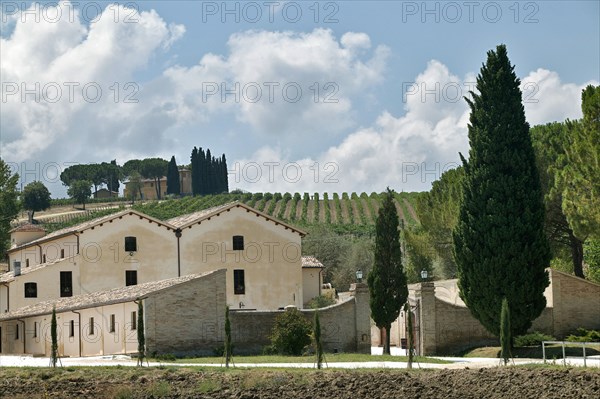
x=224 y=176
x=387 y=281
x=203 y=167
x=173 y=185
x=195 y=171
x=499 y=243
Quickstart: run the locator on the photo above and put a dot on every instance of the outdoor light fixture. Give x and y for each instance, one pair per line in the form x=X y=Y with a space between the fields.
x=359 y=275
x=424 y=274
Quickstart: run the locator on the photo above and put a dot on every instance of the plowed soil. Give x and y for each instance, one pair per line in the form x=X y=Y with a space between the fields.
x=511 y=382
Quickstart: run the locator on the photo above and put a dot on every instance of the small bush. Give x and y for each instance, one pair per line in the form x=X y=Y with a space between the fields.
x=166 y=357
x=583 y=335
x=532 y=339
x=321 y=301
x=291 y=333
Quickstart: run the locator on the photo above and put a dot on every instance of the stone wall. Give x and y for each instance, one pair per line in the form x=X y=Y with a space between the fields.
x=345 y=326
x=576 y=303
x=187 y=319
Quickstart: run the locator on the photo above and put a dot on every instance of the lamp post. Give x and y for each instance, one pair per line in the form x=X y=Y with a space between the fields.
x=424 y=274
x=359 y=275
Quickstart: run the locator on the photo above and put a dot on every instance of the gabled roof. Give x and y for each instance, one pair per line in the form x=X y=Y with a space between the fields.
x=28 y=227
x=101 y=298
x=311 y=262
x=10 y=276
x=188 y=220
x=80 y=228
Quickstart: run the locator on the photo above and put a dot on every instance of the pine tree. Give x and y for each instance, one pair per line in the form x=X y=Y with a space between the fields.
x=173 y=185
x=387 y=281
x=499 y=243
x=505 y=333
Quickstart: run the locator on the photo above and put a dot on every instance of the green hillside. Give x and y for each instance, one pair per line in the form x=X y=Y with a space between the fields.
x=345 y=213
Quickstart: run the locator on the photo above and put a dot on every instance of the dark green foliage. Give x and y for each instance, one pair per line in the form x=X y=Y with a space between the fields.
x=305 y=200
x=141 y=334
x=321 y=301
x=209 y=174
x=387 y=281
x=173 y=183
x=291 y=333
x=327 y=208
x=227 y=352
x=583 y=335
x=317 y=339
x=35 y=197
x=505 y=332
x=591 y=254
x=53 y=339
x=410 y=334
x=500 y=247
x=532 y=339
x=9 y=205
x=80 y=191
x=317 y=208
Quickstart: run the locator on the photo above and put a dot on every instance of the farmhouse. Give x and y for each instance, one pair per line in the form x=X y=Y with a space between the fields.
x=185 y=270
x=149 y=187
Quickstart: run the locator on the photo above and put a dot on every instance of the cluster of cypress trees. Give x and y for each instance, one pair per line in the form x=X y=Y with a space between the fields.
x=209 y=174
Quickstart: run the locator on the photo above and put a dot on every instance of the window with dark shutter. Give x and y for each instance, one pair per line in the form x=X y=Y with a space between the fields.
x=130 y=277
x=130 y=244
x=66 y=284
x=30 y=290
x=238 y=243
x=239 y=285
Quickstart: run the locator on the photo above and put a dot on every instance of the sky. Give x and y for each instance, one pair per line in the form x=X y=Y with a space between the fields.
x=304 y=96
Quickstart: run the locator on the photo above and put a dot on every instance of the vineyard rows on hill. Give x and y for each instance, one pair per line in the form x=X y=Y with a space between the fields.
x=347 y=212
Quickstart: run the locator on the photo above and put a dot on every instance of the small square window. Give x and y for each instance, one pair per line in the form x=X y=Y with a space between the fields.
x=30 y=290
x=62 y=253
x=66 y=284
x=239 y=285
x=130 y=244
x=26 y=262
x=238 y=243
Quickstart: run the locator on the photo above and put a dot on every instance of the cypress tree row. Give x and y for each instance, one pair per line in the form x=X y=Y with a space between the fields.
x=209 y=174
x=499 y=243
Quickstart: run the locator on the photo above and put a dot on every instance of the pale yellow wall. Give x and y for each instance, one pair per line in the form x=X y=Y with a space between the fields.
x=48 y=283
x=272 y=281
x=311 y=283
x=104 y=260
x=21 y=237
x=51 y=249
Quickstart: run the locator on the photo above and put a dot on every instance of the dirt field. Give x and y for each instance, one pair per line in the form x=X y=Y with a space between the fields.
x=512 y=382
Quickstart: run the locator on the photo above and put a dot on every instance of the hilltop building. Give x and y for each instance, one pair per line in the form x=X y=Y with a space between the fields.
x=148 y=189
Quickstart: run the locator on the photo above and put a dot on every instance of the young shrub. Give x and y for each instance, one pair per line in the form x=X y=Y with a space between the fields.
x=141 y=334
x=532 y=339
x=317 y=338
x=291 y=333
x=53 y=338
x=227 y=351
x=505 y=333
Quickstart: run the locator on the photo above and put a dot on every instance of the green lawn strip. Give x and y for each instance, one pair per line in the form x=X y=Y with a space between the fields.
x=535 y=352
x=329 y=357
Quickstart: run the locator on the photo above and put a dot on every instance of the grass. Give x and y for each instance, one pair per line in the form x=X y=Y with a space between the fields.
x=534 y=352
x=329 y=357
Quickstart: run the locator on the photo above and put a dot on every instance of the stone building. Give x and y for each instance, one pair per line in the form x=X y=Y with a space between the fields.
x=444 y=325
x=184 y=270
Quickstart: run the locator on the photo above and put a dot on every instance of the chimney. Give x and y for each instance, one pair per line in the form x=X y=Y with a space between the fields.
x=17 y=268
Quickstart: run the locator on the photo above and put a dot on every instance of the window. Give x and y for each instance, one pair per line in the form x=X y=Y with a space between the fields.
x=133 y=320
x=17 y=331
x=112 y=323
x=72 y=328
x=239 y=286
x=238 y=243
x=91 y=326
x=30 y=290
x=35 y=329
x=130 y=244
x=130 y=277
x=44 y=258
x=66 y=284
x=62 y=253
x=26 y=262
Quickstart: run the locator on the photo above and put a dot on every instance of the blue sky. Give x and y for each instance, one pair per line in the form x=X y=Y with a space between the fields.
x=380 y=80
